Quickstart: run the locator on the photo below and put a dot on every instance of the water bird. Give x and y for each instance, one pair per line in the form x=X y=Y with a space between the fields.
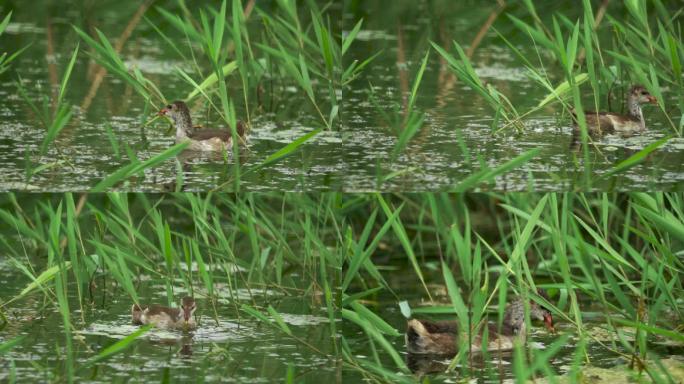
x=600 y=123
x=200 y=139
x=166 y=317
x=441 y=337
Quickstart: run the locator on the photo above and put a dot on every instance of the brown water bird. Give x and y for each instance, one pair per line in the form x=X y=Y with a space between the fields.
x=166 y=317
x=200 y=139
x=600 y=123
x=441 y=337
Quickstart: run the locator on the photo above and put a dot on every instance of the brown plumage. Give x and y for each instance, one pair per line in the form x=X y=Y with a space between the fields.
x=441 y=337
x=200 y=139
x=223 y=134
x=601 y=123
x=166 y=317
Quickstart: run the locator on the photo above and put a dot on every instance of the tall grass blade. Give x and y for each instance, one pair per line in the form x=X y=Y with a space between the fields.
x=119 y=346
x=137 y=167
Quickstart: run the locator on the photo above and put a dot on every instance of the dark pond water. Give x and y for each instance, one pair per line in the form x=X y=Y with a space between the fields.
x=230 y=347
x=457 y=137
x=603 y=363
x=83 y=155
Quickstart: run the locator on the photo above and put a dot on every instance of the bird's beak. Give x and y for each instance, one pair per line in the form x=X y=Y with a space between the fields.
x=548 y=321
x=652 y=99
x=187 y=314
x=162 y=112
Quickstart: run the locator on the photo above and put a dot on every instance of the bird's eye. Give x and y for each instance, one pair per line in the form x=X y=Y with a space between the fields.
x=169 y=106
x=644 y=93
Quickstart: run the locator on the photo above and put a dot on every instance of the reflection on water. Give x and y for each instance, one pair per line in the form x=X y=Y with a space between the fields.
x=497 y=367
x=230 y=345
x=109 y=120
x=461 y=131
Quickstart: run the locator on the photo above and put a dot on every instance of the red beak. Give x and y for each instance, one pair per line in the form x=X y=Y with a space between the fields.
x=652 y=99
x=548 y=321
x=162 y=112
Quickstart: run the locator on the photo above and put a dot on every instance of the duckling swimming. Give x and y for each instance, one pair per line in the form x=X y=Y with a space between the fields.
x=441 y=337
x=166 y=317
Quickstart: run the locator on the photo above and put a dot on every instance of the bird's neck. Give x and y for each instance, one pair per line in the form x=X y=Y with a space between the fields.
x=183 y=126
x=635 y=111
x=514 y=318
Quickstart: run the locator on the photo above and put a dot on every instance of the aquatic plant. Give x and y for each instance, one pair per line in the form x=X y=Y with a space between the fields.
x=616 y=253
x=74 y=251
x=583 y=55
x=54 y=115
x=255 y=60
x=577 y=48
x=5 y=60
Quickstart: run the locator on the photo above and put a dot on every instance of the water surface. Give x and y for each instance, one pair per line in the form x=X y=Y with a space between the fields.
x=604 y=363
x=227 y=346
x=83 y=153
x=460 y=134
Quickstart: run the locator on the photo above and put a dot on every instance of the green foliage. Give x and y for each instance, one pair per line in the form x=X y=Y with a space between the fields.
x=615 y=252
x=237 y=242
x=5 y=61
